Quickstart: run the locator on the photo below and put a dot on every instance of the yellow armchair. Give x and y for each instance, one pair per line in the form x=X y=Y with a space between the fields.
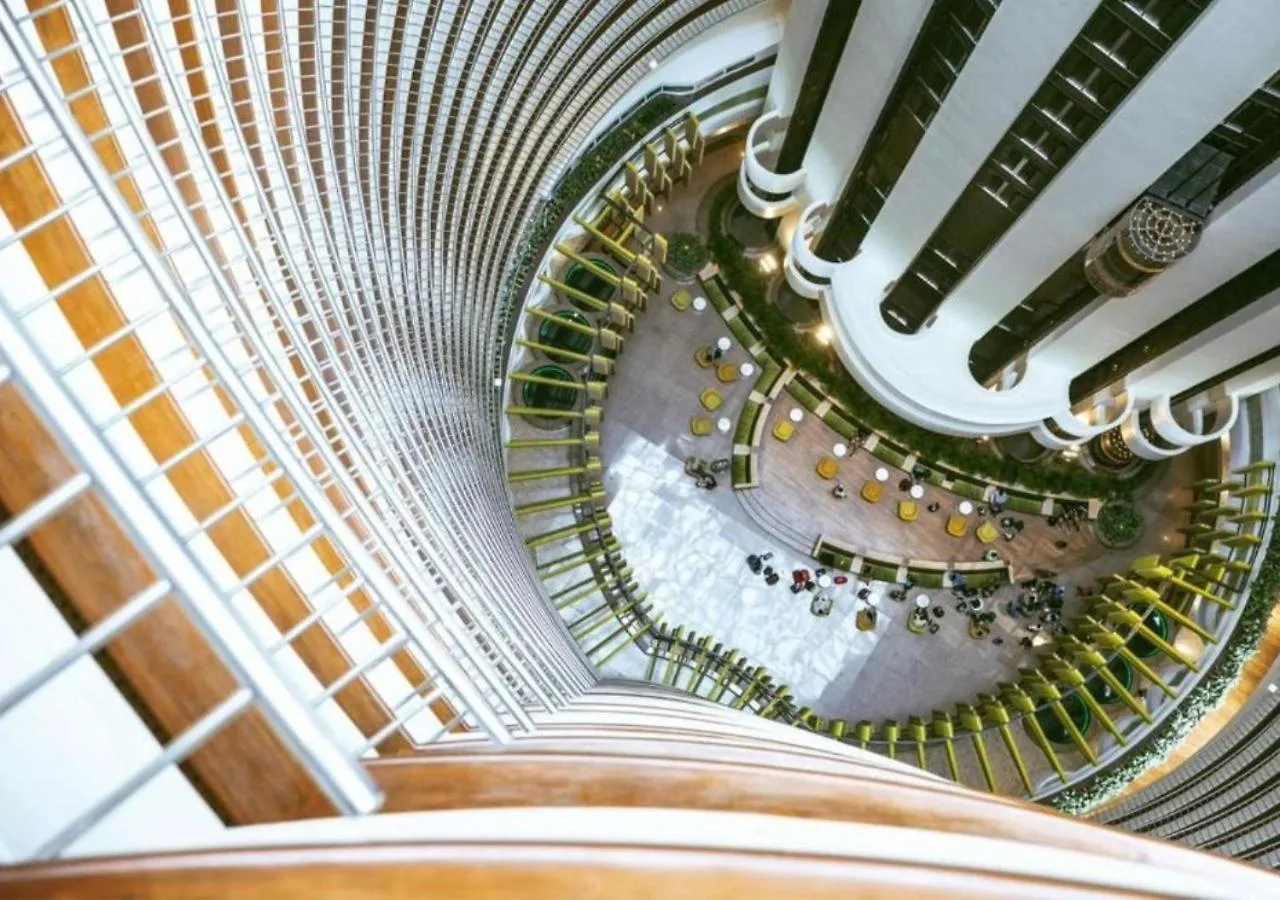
x=710 y=399
x=908 y=510
x=700 y=426
x=681 y=300
x=783 y=430
x=828 y=468
x=871 y=491
x=987 y=533
x=957 y=525
x=727 y=372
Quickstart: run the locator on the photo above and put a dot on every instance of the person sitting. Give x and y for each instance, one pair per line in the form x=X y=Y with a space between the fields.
x=934 y=506
x=821 y=605
x=771 y=578
x=840 y=492
x=755 y=564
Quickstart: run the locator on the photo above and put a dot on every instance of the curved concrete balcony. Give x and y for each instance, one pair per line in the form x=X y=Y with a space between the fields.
x=806 y=272
x=1069 y=429
x=1179 y=437
x=764 y=192
x=925 y=377
x=758 y=205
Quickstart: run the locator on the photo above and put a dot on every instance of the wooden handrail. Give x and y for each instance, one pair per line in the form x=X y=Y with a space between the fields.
x=59 y=255
x=244 y=772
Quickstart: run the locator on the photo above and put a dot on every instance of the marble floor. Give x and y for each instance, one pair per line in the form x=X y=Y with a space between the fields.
x=688 y=546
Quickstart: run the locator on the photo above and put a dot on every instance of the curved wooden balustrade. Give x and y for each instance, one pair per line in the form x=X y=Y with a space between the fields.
x=572 y=817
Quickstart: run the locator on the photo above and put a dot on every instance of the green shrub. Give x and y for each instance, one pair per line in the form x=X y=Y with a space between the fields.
x=885 y=451
x=1053 y=475
x=1118 y=523
x=968 y=489
x=840 y=425
x=738 y=470
x=805 y=397
x=686 y=253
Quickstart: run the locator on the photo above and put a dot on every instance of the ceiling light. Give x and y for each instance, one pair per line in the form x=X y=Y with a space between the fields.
x=653 y=64
x=823 y=333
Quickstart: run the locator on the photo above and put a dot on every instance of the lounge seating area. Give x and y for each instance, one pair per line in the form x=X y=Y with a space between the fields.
x=1094 y=691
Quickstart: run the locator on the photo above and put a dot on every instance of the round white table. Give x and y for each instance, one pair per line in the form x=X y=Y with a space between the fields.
x=965 y=507
x=824 y=581
x=796 y=415
x=873 y=600
x=882 y=474
x=840 y=450
x=723 y=423
x=724 y=344
x=922 y=601
x=916 y=492
x=700 y=306
x=746 y=370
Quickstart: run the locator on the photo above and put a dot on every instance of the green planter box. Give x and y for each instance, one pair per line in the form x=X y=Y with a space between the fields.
x=969 y=489
x=804 y=396
x=747 y=422
x=840 y=424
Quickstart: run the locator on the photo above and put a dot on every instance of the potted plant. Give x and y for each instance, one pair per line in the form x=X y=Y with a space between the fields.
x=686 y=255
x=1118 y=524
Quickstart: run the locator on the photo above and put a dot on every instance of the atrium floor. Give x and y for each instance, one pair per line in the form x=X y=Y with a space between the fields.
x=689 y=546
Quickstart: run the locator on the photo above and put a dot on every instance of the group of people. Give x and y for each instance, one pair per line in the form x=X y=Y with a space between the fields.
x=801 y=580
x=1039 y=608
x=971 y=602
x=1069 y=516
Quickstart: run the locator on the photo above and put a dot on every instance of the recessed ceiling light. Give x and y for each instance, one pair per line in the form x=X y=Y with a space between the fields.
x=653 y=64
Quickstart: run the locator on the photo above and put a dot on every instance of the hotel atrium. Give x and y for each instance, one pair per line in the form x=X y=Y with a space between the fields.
x=587 y=448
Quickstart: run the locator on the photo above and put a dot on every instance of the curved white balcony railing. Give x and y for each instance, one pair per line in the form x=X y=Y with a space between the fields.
x=757 y=205
x=766 y=193
x=807 y=273
x=1166 y=425
x=1077 y=430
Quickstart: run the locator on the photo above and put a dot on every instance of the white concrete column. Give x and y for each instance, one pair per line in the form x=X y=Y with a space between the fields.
x=1251 y=331
x=794 y=49
x=882 y=37
x=1227 y=53
x=1018 y=49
